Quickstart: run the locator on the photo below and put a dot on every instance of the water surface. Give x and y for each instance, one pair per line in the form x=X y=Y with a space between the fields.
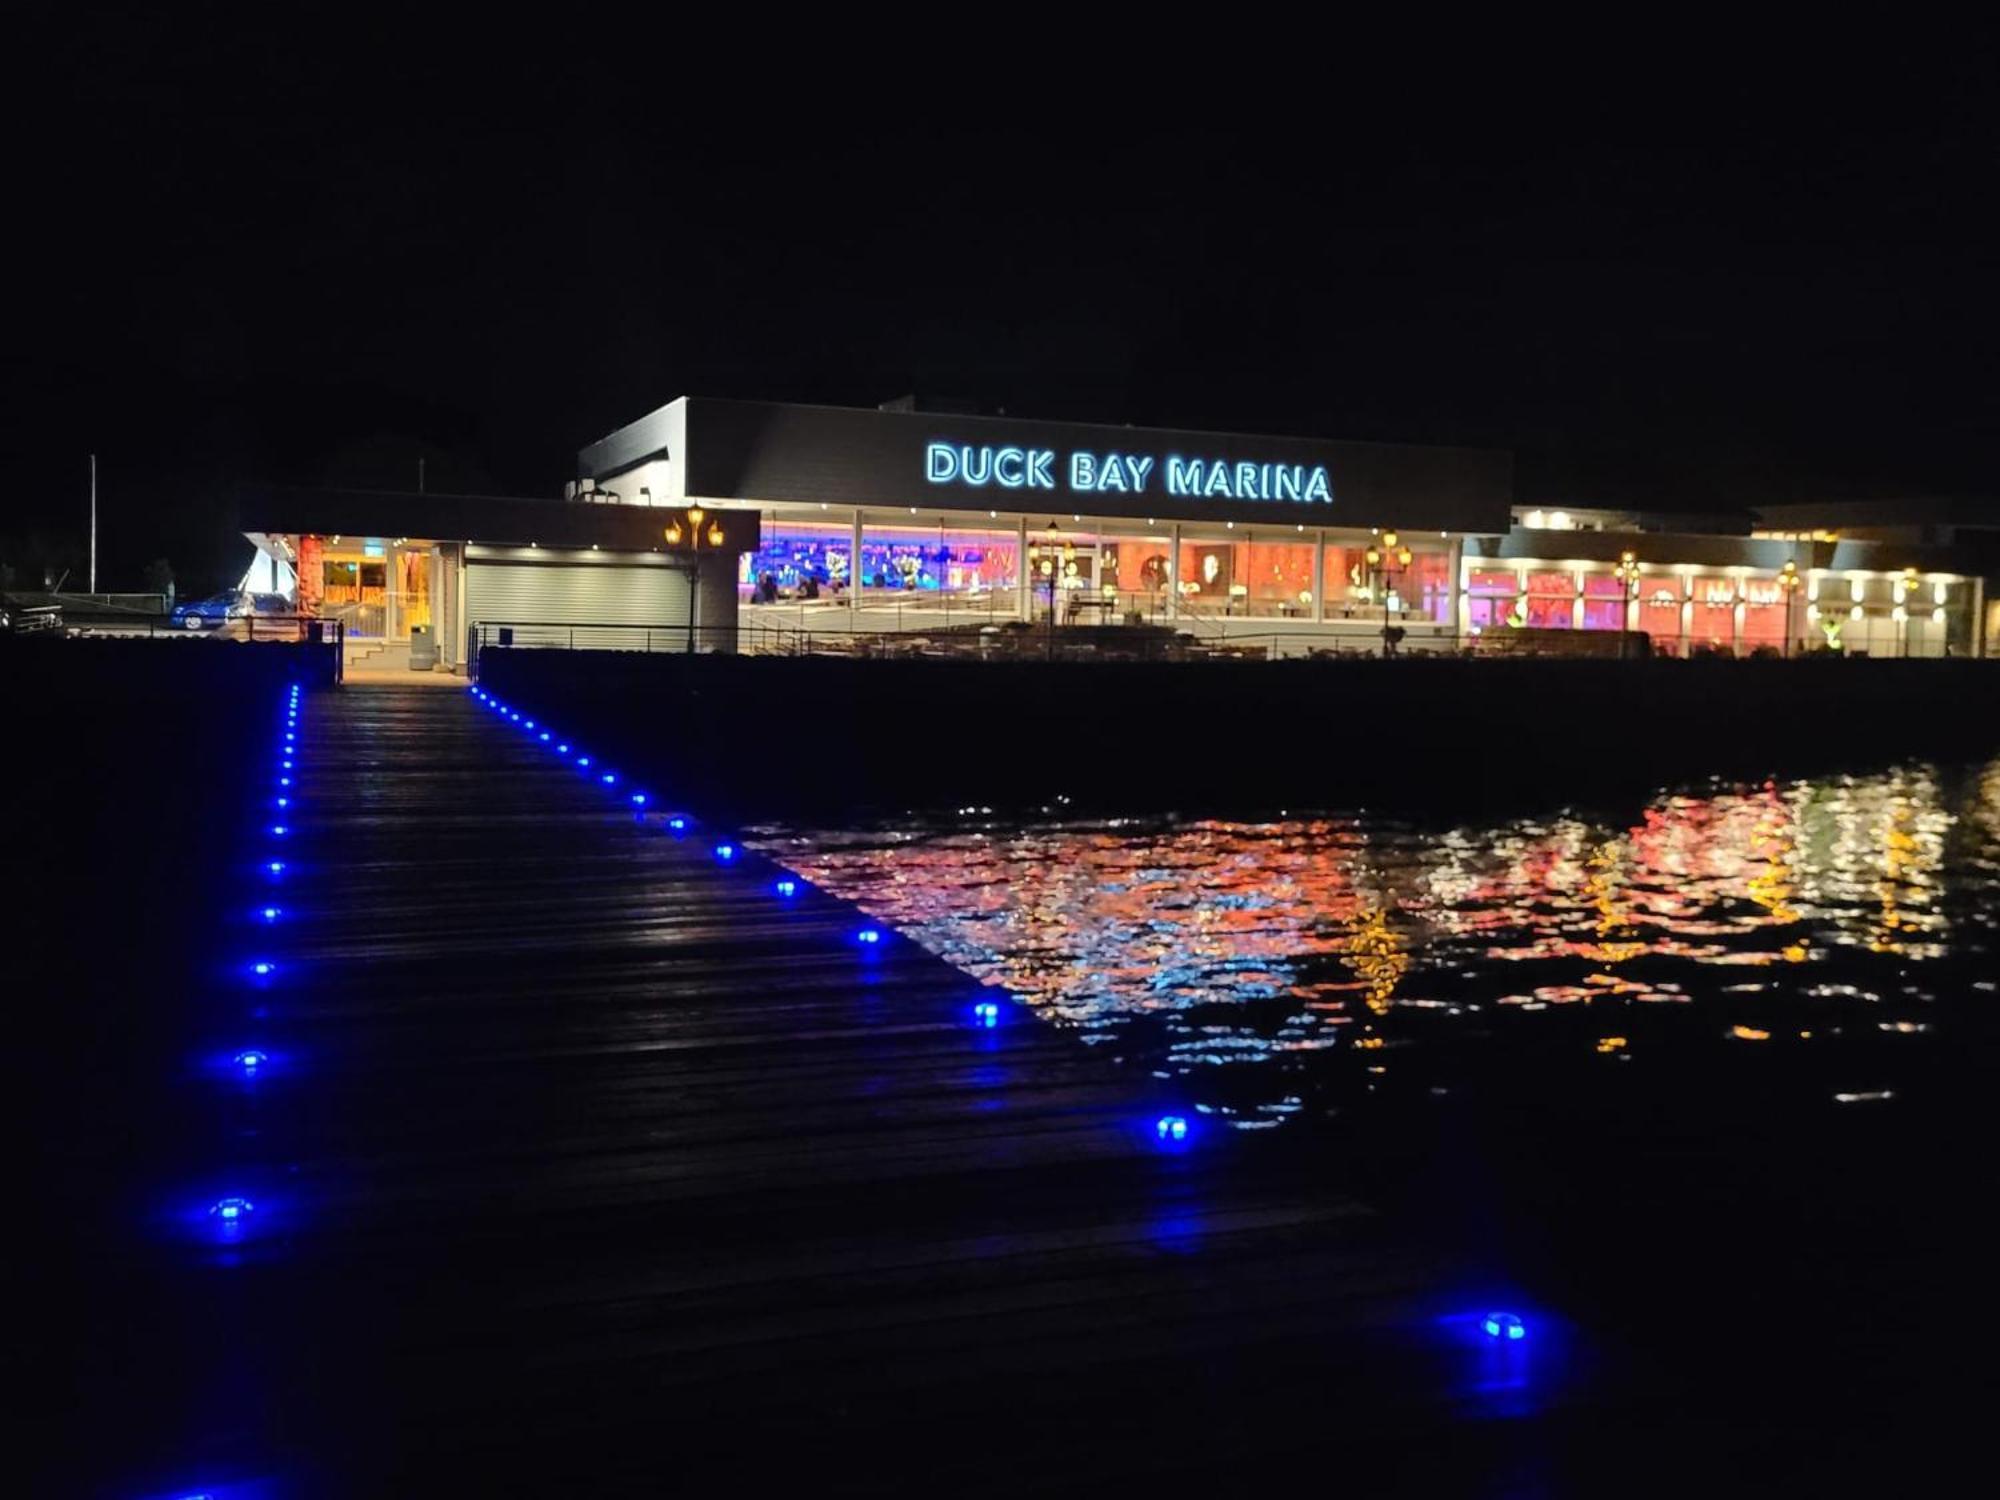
x=1297 y=967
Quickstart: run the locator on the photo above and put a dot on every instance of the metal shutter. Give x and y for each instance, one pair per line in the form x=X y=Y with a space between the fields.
x=550 y=603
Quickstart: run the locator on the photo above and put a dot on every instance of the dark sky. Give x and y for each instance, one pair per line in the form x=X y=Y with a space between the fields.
x=313 y=256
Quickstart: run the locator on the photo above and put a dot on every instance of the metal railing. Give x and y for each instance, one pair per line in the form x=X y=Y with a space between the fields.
x=1186 y=640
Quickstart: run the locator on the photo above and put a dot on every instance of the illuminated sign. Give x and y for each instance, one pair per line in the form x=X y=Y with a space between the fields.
x=1085 y=472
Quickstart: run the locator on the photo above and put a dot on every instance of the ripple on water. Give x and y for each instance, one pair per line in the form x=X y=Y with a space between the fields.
x=1273 y=967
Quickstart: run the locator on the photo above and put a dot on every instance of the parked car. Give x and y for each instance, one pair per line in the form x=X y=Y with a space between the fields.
x=231 y=604
x=29 y=619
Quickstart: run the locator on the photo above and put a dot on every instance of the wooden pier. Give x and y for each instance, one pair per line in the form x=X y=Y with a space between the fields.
x=585 y=1161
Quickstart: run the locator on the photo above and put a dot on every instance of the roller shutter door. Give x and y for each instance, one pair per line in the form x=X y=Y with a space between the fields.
x=552 y=603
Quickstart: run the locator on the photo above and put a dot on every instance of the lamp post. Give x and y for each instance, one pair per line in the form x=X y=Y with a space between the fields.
x=1384 y=563
x=1627 y=573
x=1053 y=554
x=687 y=528
x=1788 y=582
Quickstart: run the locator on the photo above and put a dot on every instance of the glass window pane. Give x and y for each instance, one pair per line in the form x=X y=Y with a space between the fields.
x=1278 y=578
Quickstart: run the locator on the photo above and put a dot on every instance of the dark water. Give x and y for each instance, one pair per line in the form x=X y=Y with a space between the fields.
x=1832 y=932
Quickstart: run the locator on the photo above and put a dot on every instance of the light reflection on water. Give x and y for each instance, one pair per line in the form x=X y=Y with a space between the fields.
x=1283 y=967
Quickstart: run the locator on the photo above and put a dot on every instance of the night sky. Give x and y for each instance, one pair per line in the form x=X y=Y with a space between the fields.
x=314 y=257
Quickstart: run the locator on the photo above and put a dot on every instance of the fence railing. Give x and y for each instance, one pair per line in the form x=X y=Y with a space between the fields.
x=1207 y=640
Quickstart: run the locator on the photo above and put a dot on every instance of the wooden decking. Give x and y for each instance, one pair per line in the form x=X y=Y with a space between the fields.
x=585 y=1161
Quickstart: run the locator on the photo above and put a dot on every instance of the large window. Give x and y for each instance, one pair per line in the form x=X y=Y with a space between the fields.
x=1135 y=573
x=1712 y=617
x=1660 y=611
x=1212 y=581
x=1551 y=599
x=1764 y=611
x=1348 y=594
x=1278 y=579
x=937 y=567
x=1491 y=597
x=798 y=561
x=1426 y=585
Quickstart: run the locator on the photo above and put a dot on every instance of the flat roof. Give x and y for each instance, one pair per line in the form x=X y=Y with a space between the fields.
x=481 y=518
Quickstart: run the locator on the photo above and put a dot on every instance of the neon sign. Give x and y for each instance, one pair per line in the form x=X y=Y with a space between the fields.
x=1092 y=473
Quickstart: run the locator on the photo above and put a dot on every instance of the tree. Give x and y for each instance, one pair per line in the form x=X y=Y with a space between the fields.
x=159 y=579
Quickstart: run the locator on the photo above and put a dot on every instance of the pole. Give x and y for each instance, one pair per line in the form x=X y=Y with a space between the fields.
x=93 y=523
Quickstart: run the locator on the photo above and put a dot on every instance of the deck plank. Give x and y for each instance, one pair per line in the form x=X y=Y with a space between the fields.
x=599 y=1164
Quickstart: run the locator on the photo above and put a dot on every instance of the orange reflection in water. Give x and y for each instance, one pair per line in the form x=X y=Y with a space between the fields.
x=1224 y=951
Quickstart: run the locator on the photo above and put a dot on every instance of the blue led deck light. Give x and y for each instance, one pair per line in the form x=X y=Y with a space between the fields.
x=986 y=1013
x=231 y=1211
x=609 y=778
x=786 y=888
x=284 y=802
x=677 y=824
x=275 y=868
x=527 y=723
x=514 y=715
x=1503 y=1326
x=263 y=968
x=638 y=799
x=562 y=749
x=1171 y=1128
x=269 y=914
x=583 y=760
x=544 y=736
x=250 y=1059
x=279 y=830
x=725 y=852
x=284 y=781
x=868 y=937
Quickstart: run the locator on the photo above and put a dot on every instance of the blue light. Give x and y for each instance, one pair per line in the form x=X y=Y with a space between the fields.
x=868 y=936
x=1171 y=1127
x=231 y=1210
x=638 y=799
x=284 y=781
x=287 y=765
x=583 y=760
x=677 y=824
x=289 y=736
x=562 y=749
x=515 y=716
x=986 y=1013
x=263 y=968
x=279 y=830
x=527 y=723
x=786 y=888
x=284 y=802
x=250 y=1060
x=544 y=736
x=609 y=778
x=725 y=852
x=1501 y=1325
x=276 y=867
x=269 y=914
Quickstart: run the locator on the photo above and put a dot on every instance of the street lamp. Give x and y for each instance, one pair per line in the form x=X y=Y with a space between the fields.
x=1627 y=573
x=1789 y=581
x=688 y=529
x=1057 y=556
x=1384 y=563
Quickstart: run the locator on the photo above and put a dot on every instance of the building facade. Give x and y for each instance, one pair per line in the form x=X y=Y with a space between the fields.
x=758 y=526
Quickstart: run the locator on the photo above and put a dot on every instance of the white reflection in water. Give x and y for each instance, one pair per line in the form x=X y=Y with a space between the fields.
x=1282 y=968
